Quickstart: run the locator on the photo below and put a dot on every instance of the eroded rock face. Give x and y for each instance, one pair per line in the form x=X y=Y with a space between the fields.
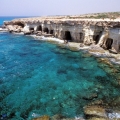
x=96 y=112
x=104 y=33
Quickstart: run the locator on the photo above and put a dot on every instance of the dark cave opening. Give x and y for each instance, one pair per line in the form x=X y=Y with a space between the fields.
x=46 y=30
x=68 y=35
x=31 y=29
x=39 y=28
x=51 y=31
x=81 y=37
x=108 y=43
x=20 y=24
x=96 y=38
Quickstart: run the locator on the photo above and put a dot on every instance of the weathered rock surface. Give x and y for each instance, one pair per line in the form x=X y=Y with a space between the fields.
x=96 y=48
x=96 y=112
x=104 y=33
x=113 y=51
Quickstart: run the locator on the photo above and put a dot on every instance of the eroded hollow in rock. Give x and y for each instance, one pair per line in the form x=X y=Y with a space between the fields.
x=81 y=37
x=119 y=48
x=68 y=35
x=39 y=28
x=96 y=38
x=108 y=43
x=46 y=30
x=31 y=29
x=20 y=24
x=51 y=31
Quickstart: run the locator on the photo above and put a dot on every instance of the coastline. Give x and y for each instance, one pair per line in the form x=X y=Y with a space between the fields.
x=73 y=46
x=94 y=50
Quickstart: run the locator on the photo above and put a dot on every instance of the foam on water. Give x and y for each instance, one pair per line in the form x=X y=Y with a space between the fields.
x=38 y=78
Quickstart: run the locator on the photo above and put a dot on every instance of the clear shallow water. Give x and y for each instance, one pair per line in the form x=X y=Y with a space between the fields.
x=38 y=78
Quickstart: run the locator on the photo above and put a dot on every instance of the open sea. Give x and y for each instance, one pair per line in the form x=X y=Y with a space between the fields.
x=39 y=78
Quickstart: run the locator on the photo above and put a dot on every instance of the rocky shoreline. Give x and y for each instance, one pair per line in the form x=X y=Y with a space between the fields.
x=93 y=49
x=97 y=110
x=100 y=37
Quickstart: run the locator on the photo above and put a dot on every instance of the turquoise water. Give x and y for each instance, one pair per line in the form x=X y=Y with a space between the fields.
x=6 y=18
x=38 y=78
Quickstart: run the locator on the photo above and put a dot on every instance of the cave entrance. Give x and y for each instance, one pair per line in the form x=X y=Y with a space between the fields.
x=31 y=29
x=20 y=24
x=46 y=30
x=81 y=37
x=108 y=43
x=96 y=38
x=68 y=35
x=39 y=28
x=51 y=31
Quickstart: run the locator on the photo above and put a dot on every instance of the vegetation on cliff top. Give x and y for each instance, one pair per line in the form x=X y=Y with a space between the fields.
x=111 y=15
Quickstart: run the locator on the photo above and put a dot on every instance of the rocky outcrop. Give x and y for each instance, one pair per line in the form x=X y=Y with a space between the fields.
x=96 y=112
x=57 y=117
x=104 y=33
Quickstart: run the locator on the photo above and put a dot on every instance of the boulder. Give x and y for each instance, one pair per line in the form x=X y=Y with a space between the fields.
x=96 y=48
x=113 y=51
x=95 y=111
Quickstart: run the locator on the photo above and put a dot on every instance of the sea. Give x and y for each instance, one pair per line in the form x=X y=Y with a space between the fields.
x=40 y=78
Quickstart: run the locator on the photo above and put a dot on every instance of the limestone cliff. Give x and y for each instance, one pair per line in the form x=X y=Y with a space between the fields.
x=103 y=32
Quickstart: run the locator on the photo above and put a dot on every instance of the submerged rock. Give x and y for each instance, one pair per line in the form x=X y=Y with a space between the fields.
x=60 y=117
x=90 y=97
x=75 y=49
x=57 y=117
x=45 y=117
